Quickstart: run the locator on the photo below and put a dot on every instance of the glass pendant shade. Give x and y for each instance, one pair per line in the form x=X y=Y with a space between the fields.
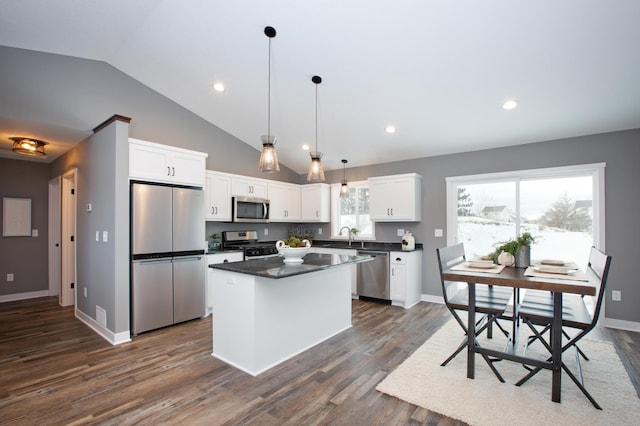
x=268 y=157
x=316 y=171
x=344 y=189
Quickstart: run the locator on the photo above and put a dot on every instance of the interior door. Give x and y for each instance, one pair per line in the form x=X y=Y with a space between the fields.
x=54 y=249
x=68 y=245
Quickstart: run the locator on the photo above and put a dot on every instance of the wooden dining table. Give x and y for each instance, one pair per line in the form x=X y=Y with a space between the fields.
x=516 y=278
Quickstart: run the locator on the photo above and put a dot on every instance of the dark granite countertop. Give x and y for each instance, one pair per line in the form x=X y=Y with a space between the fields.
x=358 y=245
x=274 y=267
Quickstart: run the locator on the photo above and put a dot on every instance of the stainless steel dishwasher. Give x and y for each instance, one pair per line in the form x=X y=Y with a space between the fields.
x=373 y=276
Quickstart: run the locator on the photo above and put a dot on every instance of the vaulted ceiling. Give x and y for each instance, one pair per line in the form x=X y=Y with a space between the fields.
x=439 y=71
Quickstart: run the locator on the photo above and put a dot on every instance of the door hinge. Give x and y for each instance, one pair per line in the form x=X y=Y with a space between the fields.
x=73 y=191
x=72 y=238
x=73 y=285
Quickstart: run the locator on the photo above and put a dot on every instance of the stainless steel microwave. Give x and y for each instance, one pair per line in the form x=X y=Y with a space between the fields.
x=248 y=209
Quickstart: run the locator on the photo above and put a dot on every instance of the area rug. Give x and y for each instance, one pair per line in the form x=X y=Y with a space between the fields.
x=421 y=380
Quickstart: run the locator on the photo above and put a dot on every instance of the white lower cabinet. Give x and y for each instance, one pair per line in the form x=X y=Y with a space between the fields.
x=405 y=277
x=222 y=257
x=354 y=268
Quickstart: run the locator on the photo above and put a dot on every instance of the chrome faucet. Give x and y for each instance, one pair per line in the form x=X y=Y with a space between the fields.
x=350 y=233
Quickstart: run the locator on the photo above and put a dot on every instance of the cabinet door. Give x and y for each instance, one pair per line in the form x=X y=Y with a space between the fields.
x=401 y=198
x=378 y=199
x=218 y=197
x=149 y=163
x=284 y=202
x=188 y=169
x=315 y=203
x=398 y=281
x=248 y=187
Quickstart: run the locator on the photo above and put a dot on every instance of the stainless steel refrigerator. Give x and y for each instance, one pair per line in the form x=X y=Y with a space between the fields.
x=167 y=255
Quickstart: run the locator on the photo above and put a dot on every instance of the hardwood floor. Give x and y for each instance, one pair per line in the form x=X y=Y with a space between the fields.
x=55 y=370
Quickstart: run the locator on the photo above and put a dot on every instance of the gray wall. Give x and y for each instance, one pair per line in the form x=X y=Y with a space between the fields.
x=25 y=257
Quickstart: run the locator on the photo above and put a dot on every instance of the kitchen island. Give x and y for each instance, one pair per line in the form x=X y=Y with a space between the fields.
x=266 y=311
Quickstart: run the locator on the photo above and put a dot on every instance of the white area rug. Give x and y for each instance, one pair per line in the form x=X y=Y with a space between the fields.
x=485 y=401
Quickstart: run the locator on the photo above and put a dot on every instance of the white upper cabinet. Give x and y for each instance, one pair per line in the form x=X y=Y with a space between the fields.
x=248 y=187
x=217 y=197
x=315 y=202
x=284 y=199
x=395 y=198
x=162 y=163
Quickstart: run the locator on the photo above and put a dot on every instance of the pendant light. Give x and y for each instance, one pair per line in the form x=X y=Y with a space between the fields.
x=268 y=157
x=316 y=172
x=344 y=189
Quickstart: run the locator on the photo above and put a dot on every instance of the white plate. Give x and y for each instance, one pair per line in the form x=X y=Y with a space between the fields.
x=553 y=262
x=481 y=264
x=554 y=269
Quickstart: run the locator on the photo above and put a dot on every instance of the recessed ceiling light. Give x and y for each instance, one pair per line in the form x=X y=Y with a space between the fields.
x=390 y=129
x=305 y=147
x=510 y=104
x=218 y=87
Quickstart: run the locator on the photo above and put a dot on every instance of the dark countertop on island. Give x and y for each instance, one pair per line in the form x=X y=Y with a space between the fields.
x=362 y=245
x=274 y=267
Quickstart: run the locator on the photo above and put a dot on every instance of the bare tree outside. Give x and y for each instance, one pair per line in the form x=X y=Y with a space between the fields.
x=567 y=214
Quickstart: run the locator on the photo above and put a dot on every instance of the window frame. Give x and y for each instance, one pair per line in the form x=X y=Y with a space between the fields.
x=596 y=170
x=335 y=213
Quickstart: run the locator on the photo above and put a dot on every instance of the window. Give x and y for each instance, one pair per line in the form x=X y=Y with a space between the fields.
x=563 y=208
x=352 y=211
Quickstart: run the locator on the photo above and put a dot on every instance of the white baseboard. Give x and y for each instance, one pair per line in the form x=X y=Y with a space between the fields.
x=622 y=324
x=108 y=335
x=433 y=299
x=23 y=296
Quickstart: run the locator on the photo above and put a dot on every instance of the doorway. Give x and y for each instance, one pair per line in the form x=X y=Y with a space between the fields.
x=67 y=238
x=54 y=237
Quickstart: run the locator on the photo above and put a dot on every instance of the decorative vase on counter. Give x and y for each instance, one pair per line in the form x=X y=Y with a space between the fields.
x=523 y=258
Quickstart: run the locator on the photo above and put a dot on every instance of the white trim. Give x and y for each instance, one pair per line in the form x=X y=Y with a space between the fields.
x=549 y=171
x=432 y=299
x=622 y=324
x=23 y=296
x=108 y=335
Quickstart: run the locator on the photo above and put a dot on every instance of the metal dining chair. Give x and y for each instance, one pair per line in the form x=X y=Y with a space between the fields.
x=579 y=317
x=491 y=301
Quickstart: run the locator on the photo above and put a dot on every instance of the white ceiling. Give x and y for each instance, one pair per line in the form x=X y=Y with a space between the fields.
x=437 y=70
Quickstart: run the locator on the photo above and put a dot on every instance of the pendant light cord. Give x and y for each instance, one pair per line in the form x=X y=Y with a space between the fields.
x=269 y=94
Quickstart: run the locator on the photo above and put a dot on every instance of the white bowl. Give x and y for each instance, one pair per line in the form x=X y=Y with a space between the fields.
x=293 y=254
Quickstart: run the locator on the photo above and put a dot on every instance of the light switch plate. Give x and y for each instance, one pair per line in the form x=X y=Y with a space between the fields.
x=400 y=232
x=438 y=233
x=105 y=236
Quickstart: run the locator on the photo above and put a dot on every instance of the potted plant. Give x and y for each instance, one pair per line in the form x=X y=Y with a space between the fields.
x=515 y=252
x=214 y=242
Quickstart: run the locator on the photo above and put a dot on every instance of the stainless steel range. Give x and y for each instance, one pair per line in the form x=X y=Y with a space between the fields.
x=247 y=241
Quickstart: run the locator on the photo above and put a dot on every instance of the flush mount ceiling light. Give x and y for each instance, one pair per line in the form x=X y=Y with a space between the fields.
x=316 y=172
x=344 y=189
x=390 y=129
x=28 y=146
x=510 y=104
x=268 y=157
x=219 y=87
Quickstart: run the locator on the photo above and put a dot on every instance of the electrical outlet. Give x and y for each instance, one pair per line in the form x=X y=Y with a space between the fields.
x=105 y=236
x=266 y=231
x=616 y=295
x=319 y=231
x=85 y=292
x=9 y=278
x=400 y=232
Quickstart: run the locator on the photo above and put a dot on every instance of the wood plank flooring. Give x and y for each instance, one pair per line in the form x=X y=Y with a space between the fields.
x=55 y=370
